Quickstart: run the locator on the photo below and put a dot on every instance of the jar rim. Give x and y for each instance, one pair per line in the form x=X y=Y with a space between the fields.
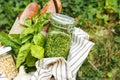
x=4 y=50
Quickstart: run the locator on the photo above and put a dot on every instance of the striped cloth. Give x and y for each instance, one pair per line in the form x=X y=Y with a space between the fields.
x=58 y=66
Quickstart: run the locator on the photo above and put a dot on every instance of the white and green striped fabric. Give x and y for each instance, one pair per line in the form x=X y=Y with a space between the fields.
x=63 y=69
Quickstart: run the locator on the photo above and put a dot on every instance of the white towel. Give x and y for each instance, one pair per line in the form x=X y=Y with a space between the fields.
x=58 y=66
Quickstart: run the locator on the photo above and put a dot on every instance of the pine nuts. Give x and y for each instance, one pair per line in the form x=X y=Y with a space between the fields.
x=7 y=66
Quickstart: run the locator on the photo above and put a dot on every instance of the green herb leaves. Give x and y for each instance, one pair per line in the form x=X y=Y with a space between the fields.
x=30 y=60
x=30 y=53
x=23 y=52
x=10 y=41
x=37 y=51
x=39 y=39
x=32 y=41
x=26 y=32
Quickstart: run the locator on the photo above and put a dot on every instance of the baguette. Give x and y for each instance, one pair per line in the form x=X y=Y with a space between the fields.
x=29 y=12
x=58 y=6
x=52 y=6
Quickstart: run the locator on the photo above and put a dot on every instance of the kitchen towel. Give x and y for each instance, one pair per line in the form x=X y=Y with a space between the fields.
x=60 y=68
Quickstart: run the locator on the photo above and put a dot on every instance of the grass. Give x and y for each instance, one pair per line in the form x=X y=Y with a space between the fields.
x=103 y=62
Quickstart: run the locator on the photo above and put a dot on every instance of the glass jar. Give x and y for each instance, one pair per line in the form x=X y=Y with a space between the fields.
x=59 y=36
x=7 y=65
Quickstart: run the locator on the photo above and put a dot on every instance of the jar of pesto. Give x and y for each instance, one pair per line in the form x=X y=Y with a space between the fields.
x=59 y=36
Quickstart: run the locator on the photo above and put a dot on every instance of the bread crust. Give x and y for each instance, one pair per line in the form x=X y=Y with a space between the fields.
x=28 y=12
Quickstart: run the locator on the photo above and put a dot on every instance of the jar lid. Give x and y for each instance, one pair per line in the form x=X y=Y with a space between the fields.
x=63 y=22
x=4 y=50
x=63 y=19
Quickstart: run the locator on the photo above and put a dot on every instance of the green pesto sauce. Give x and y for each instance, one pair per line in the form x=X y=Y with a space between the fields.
x=58 y=43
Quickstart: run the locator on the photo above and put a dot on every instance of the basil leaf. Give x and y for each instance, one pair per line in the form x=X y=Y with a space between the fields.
x=30 y=60
x=23 y=52
x=26 y=32
x=39 y=39
x=40 y=22
x=25 y=39
x=35 y=19
x=15 y=38
x=6 y=41
x=28 y=22
x=37 y=51
x=44 y=19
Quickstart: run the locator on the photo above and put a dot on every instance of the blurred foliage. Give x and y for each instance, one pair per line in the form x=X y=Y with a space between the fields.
x=89 y=12
x=99 y=18
x=9 y=10
x=103 y=62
